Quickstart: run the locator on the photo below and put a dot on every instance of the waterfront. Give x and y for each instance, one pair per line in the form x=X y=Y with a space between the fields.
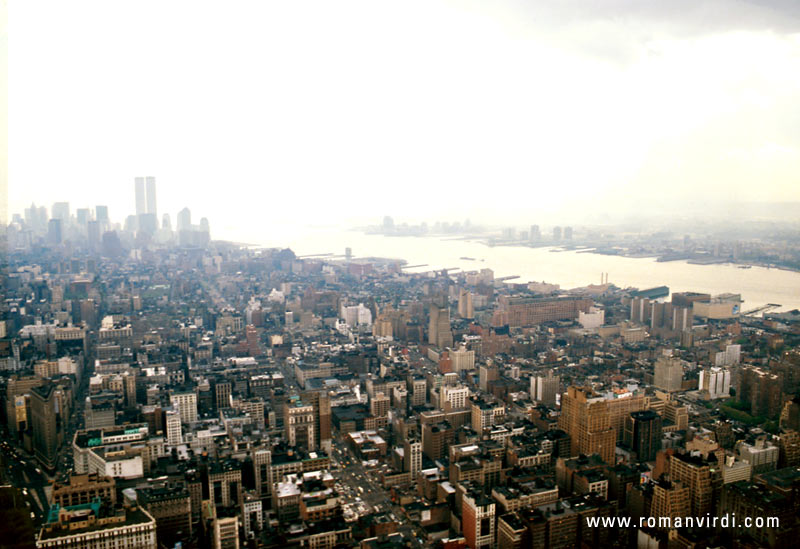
x=570 y=269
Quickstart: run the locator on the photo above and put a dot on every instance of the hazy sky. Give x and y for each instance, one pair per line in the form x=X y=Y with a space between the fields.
x=258 y=112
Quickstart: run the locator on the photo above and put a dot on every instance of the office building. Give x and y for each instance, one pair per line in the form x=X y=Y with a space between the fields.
x=702 y=477
x=298 y=422
x=439 y=333
x=465 y=307
x=169 y=503
x=184 y=220
x=150 y=187
x=97 y=526
x=101 y=214
x=477 y=517
x=186 y=404
x=46 y=403
x=643 y=434
x=668 y=374
x=527 y=311
x=412 y=457
x=585 y=418
x=544 y=388
x=54 y=231
x=716 y=382
x=60 y=210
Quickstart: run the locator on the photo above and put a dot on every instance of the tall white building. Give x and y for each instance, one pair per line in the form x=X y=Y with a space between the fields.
x=457 y=396
x=150 y=186
x=462 y=360
x=174 y=430
x=186 y=404
x=544 y=388
x=141 y=206
x=357 y=315
x=730 y=356
x=412 y=456
x=717 y=381
x=595 y=318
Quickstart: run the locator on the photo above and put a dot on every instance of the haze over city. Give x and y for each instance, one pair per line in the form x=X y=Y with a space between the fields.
x=410 y=275
x=324 y=112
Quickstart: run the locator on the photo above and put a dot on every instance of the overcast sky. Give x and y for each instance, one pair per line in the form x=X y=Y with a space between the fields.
x=261 y=112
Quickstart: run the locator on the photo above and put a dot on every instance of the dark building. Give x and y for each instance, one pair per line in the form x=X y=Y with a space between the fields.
x=170 y=504
x=46 y=424
x=643 y=434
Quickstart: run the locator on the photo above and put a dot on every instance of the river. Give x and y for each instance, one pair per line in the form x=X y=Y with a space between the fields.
x=757 y=285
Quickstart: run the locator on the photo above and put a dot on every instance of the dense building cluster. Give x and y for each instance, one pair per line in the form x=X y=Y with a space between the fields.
x=161 y=391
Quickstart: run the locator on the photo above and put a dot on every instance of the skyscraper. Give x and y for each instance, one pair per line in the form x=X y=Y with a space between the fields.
x=101 y=213
x=184 y=220
x=545 y=388
x=54 y=231
x=151 y=195
x=643 y=434
x=45 y=423
x=586 y=419
x=61 y=211
x=668 y=374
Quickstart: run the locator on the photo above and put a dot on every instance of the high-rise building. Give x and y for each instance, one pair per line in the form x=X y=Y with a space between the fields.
x=46 y=423
x=186 y=404
x=436 y=439
x=412 y=456
x=535 y=234
x=716 y=382
x=700 y=476
x=184 y=220
x=453 y=397
x=298 y=421
x=170 y=505
x=222 y=390
x=477 y=517
x=556 y=233
x=83 y=216
x=379 y=405
x=150 y=186
x=60 y=211
x=465 y=308
x=225 y=483
x=643 y=434
x=670 y=499
x=486 y=374
x=545 y=387
x=174 y=429
x=567 y=233
x=101 y=214
x=668 y=374
x=439 y=333
x=321 y=404
x=54 y=231
x=93 y=234
x=586 y=419
x=761 y=390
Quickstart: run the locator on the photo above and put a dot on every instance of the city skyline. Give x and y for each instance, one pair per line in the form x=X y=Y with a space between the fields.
x=534 y=109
